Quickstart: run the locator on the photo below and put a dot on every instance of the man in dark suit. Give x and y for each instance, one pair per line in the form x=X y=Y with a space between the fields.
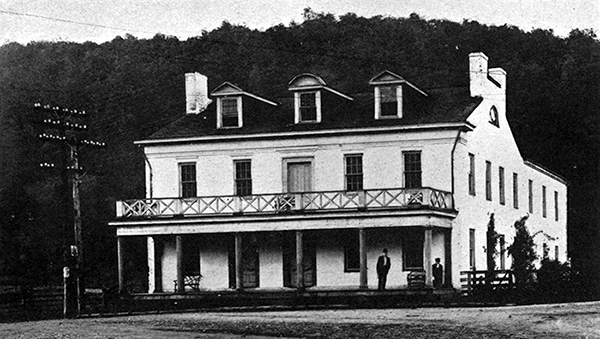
x=383 y=267
x=438 y=273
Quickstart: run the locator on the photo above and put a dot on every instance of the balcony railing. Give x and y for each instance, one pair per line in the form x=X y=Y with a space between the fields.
x=374 y=199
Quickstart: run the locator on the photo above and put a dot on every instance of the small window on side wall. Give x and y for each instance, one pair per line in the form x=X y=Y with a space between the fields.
x=494 y=116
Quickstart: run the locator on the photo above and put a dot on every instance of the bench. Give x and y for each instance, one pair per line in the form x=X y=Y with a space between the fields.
x=192 y=281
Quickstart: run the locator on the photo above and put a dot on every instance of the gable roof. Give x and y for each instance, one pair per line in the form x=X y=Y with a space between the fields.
x=228 y=88
x=443 y=106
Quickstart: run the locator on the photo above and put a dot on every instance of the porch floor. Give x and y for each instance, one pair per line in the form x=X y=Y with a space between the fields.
x=286 y=298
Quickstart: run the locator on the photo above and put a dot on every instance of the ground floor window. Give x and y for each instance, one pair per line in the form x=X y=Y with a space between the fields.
x=412 y=250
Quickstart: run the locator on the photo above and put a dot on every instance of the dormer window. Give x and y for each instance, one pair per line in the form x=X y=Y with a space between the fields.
x=229 y=111
x=309 y=106
x=230 y=99
x=389 y=91
x=389 y=101
x=309 y=93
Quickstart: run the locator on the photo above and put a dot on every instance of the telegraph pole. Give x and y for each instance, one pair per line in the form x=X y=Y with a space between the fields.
x=63 y=126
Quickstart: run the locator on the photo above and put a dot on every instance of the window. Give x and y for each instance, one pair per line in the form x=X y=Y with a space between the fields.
x=243 y=177
x=545 y=251
x=515 y=190
x=354 y=172
x=530 y=196
x=308 y=106
x=555 y=205
x=412 y=250
x=230 y=112
x=471 y=174
x=472 y=249
x=187 y=174
x=556 y=253
x=351 y=253
x=488 y=180
x=389 y=102
x=494 y=116
x=501 y=185
x=544 y=201
x=412 y=169
x=502 y=243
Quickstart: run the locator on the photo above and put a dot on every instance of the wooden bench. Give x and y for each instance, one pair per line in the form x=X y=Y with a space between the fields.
x=192 y=281
x=416 y=279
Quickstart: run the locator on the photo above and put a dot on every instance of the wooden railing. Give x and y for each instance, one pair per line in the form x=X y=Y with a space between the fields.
x=481 y=281
x=375 y=199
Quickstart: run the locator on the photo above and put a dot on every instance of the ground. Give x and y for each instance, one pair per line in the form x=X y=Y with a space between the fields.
x=575 y=320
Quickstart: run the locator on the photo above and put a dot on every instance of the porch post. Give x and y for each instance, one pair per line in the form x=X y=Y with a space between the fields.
x=154 y=265
x=299 y=261
x=427 y=256
x=362 y=249
x=239 y=273
x=121 y=264
x=179 y=259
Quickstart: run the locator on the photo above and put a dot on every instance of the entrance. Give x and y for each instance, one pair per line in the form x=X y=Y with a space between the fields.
x=250 y=263
x=309 y=261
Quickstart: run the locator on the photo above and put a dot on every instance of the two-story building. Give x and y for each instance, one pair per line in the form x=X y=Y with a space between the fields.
x=304 y=191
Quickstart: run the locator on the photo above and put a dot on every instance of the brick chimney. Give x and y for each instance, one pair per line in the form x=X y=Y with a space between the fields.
x=196 y=93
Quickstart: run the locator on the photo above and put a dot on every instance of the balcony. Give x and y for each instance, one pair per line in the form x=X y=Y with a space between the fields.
x=282 y=203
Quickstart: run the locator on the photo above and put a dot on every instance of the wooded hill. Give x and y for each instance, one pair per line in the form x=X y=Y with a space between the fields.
x=133 y=87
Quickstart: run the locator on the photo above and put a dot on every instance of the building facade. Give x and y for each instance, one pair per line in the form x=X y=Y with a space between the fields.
x=304 y=191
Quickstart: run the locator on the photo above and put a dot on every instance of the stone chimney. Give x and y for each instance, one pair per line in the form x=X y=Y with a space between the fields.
x=196 y=93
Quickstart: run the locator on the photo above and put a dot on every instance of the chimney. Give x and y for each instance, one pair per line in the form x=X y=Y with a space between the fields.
x=499 y=75
x=478 y=73
x=196 y=93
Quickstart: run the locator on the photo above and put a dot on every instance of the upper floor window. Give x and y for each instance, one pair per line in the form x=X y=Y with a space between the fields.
x=544 y=201
x=530 y=196
x=555 y=205
x=515 y=190
x=471 y=174
x=230 y=111
x=310 y=94
x=412 y=169
x=187 y=182
x=390 y=91
x=494 y=116
x=501 y=186
x=488 y=180
x=243 y=177
x=354 y=172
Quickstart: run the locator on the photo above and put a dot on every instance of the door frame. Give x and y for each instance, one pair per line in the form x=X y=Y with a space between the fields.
x=292 y=160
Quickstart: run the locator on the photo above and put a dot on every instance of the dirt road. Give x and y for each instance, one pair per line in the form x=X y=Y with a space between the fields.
x=575 y=320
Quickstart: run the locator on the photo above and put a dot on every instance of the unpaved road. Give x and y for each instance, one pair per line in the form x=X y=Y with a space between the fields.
x=575 y=320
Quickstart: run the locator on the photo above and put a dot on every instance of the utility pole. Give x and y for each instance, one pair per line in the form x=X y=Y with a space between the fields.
x=63 y=127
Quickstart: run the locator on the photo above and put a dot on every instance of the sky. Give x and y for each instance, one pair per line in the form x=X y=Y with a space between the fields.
x=102 y=20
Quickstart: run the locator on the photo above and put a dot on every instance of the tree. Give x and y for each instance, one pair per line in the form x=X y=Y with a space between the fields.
x=523 y=252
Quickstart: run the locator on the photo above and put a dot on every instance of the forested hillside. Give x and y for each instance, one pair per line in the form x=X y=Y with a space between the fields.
x=133 y=87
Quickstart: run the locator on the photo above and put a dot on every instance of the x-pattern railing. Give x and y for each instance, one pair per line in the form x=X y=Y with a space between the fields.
x=374 y=199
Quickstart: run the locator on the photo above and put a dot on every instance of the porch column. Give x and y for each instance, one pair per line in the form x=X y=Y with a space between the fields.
x=121 y=264
x=154 y=265
x=427 y=256
x=239 y=273
x=362 y=249
x=299 y=261
x=179 y=259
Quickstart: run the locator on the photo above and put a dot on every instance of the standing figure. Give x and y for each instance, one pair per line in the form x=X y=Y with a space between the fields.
x=438 y=273
x=383 y=267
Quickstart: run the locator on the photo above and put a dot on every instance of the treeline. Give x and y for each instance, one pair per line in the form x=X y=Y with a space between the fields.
x=132 y=87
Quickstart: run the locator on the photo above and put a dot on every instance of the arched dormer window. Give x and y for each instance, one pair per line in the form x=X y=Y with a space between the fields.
x=308 y=92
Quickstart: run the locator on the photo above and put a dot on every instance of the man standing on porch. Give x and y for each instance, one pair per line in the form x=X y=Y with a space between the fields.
x=438 y=273
x=383 y=267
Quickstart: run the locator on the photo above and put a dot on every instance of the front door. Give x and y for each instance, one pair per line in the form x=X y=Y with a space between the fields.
x=299 y=177
x=250 y=263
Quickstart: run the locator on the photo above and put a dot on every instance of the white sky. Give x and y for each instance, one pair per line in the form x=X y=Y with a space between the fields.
x=185 y=18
